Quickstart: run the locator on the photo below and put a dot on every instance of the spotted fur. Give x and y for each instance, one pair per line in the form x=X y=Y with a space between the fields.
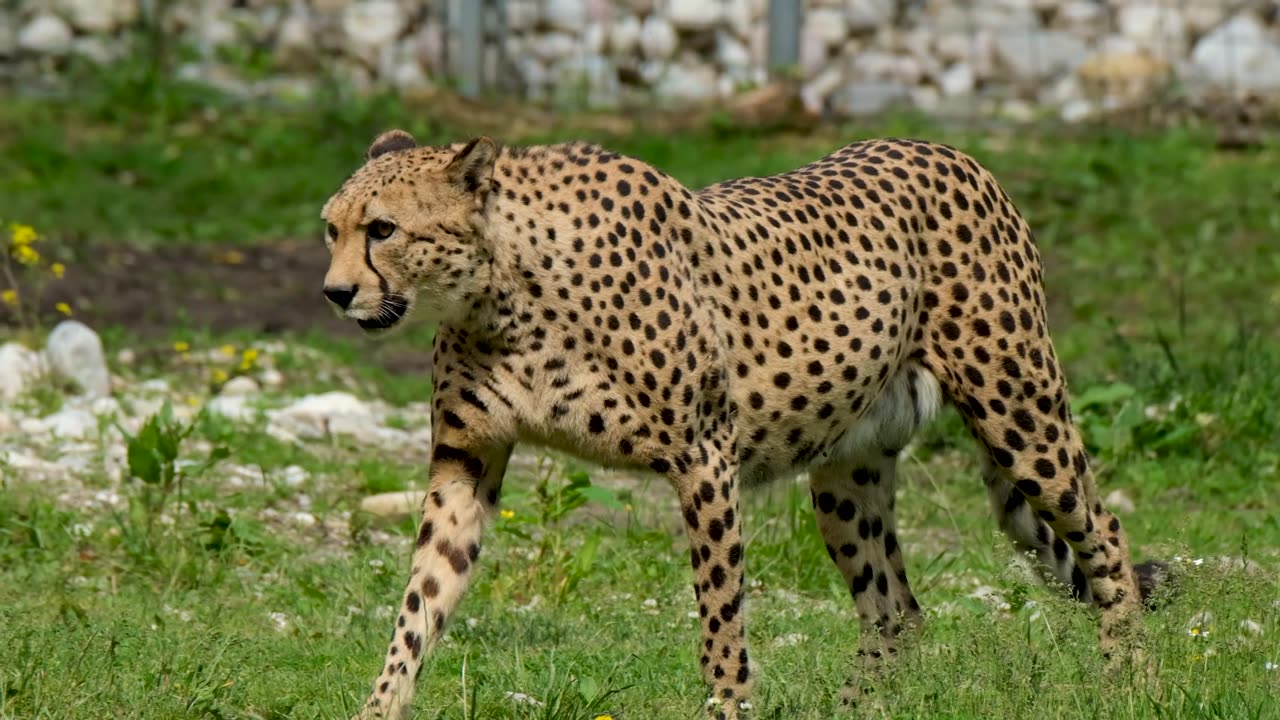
x=808 y=321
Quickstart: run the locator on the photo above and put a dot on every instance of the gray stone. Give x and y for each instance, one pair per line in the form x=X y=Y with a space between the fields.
x=868 y=14
x=1157 y=28
x=624 y=35
x=373 y=24
x=695 y=14
x=75 y=352
x=868 y=98
x=1037 y=54
x=567 y=15
x=657 y=38
x=99 y=16
x=232 y=407
x=71 y=423
x=957 y=80
x=318 y=416
x=395 y=505
x=1240 y=55
x=687 y=82
x=20 y=366
x=827 y=25
x=45 y=33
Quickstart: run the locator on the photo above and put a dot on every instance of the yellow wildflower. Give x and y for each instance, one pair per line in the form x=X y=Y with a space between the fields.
x=248 y=358
x=193 y=401
x=9 y=297
x=58 y=270
x=228 y=350
x=508 y=514
x=603 y=717
x=26 y=255
x=220 y=376
x=22 y=235
x=63 y=308
x=181 y=346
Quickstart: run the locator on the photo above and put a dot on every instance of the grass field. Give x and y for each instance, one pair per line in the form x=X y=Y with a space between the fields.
x=1164 y=281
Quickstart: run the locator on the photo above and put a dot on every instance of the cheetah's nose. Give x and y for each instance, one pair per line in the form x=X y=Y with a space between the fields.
x=341 y=295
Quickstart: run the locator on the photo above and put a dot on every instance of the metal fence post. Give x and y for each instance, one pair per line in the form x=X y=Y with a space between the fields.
x=471 y=47
x=785 y=17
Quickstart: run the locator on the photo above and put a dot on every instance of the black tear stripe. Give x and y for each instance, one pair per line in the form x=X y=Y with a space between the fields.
x=368 y=261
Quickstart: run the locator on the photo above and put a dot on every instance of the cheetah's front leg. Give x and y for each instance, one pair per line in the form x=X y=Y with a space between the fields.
x=709 y=499
x=464 y=489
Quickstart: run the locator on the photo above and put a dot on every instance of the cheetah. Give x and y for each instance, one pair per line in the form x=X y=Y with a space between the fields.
x=810 y=321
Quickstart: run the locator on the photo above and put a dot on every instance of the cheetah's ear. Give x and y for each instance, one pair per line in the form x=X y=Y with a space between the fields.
x=390 y=141
x=472 y=168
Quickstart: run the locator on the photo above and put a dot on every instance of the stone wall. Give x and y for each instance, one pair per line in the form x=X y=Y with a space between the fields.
x=857 y=57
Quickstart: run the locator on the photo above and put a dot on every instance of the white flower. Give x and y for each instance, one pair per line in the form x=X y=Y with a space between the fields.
x=1270 y=665
x=279 y=619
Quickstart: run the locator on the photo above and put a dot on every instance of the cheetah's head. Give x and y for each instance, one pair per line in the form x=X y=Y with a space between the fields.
x=405 y=232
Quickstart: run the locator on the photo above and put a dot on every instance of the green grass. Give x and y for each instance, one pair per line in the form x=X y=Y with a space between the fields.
x=1162 y=273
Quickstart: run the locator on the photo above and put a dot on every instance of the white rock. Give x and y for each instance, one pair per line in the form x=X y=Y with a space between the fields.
x=232 y=407
x=99 y=16
x=394 y=504
x=7 y=424
x=154 y=385
x=521 y=14
x=813 y=52
x=695 y=14
x=828 y=25
x=29 y=463
x=1038 y=54
x=271 y=377
x=657 y=38
x=1076 y=110
x=814 y=93
x=567 y=15
x=594 y=39
x=317 y=416
x=409 y=76
x=75 y=353
x=868 y=14
x=294 y=37
x=554 y=46
x=687 y=82
x=1157 y=28
x=731 y=53
x=373 y=24
x=1240 y=55
x=868 y=98
x=624 y=35
x=1203 y=17
x=1117 y=501
x=126 y=356
x=94 y=48
x=294 y=476
x=216 y=31
x=71 y=423
x=19 y=367
x=957 y=80
x=105 y=407
x=1080 y=14
x=240 y=385
x=45 y=33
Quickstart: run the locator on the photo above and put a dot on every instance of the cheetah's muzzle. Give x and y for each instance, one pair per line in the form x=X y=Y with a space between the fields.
x=390 y=312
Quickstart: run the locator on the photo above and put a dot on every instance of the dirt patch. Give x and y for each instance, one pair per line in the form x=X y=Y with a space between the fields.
x=271 y=289
x=265 y=289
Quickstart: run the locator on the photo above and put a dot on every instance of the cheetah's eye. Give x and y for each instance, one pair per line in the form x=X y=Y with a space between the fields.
x=381 y=229
x=333 y=231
